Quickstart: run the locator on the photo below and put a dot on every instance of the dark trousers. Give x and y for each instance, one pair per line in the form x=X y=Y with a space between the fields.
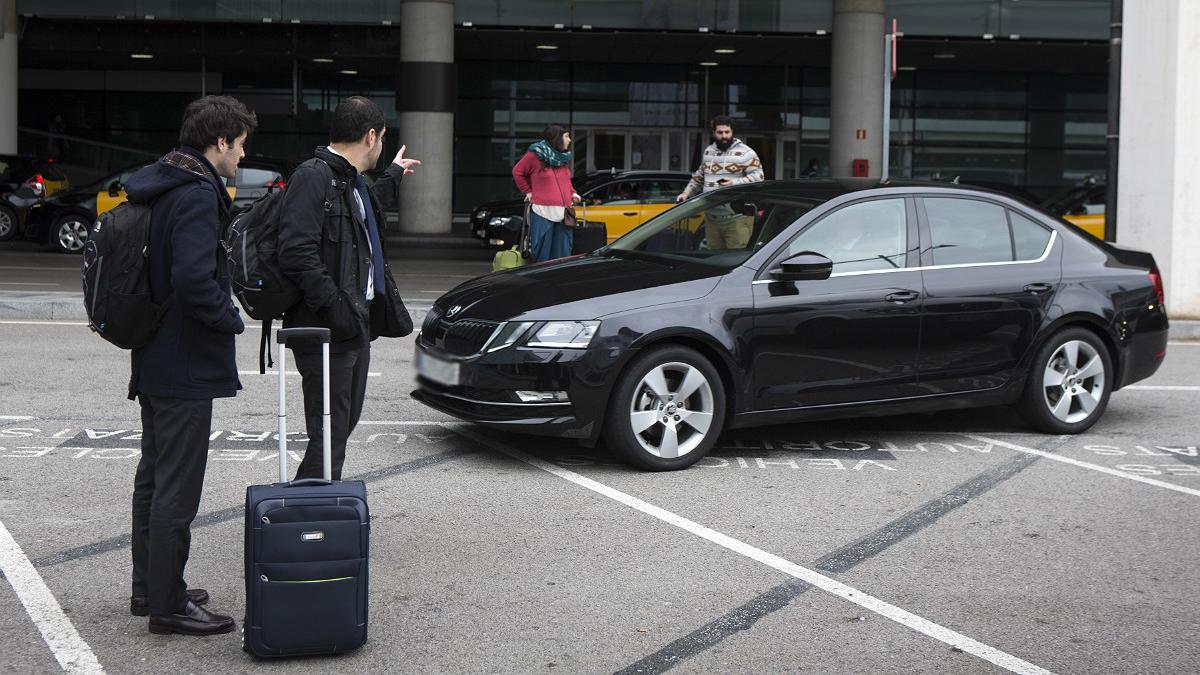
x=166 y=495
x=347 y=389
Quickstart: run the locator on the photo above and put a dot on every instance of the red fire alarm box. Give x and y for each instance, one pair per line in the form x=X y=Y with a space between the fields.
x=859 y=168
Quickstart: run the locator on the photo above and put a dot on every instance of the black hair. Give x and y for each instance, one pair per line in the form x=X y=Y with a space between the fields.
x=207 y=119
x=721 y=121
x=353 y=118
x=553 y=133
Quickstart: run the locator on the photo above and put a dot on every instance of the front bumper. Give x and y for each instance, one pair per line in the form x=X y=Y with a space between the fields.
x=486 y=386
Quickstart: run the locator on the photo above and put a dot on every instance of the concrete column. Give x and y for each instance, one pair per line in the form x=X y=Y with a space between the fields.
x=426 y=90
x=8 y=78
x=856 y=87
x=1157 y=209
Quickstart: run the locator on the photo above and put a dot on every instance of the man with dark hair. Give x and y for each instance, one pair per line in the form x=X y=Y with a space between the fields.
x=330 y=245
x=189 y=362
x=726 y=161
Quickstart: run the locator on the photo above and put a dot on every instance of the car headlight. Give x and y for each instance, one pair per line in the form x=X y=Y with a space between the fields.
x=563 y=334
x=508 y=334
x=500 y=220
x=482 y=214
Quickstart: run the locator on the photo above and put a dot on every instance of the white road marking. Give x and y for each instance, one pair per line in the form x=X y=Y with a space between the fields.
x=44 y=323
x=72 y=653
x=1161 y=387
x=827 y=584
x=1086 y=465
x=1183 y=344
x=403 y=423
x=294 y=372
x=38 y=269
x=27 y=283
x=17 y=418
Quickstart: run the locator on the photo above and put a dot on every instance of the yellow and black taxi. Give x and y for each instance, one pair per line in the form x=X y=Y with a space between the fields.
x=24 y=181
x=62 y=222
x=1081 y=205
x=617 y=200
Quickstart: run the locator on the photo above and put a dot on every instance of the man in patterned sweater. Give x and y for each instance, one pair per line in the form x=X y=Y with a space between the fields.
x=726 y=161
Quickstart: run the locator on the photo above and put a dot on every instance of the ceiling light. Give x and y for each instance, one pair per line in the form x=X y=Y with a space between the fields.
x=548 y=47
x=988 y=36
x=348 y=72
x=945 y=55
x=322 y=59
x=708 y=63
x=821 y=31
x=725 y=50
x=141 y=56
x=906 y=67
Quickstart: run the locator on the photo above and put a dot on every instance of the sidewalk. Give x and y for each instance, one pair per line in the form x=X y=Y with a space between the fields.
x=43 y=306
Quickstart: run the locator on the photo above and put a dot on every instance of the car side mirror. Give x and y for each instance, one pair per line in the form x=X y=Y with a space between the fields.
x=114 y=188
x=804 y=266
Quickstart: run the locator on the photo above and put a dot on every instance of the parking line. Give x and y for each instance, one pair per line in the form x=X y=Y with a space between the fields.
x=295 y=373
x=1161 y=387
x=1086 y=465
x=17 y=418
x=829 y=585
x=72 y=653
x=43 y=323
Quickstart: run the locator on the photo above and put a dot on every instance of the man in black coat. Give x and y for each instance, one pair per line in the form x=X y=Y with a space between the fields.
x=331 y=247
x=189 y=362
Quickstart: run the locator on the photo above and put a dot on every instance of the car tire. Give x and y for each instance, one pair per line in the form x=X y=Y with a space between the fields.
x=1069 y=383
x=8 y=223
x=69 y=233
x=649 y=391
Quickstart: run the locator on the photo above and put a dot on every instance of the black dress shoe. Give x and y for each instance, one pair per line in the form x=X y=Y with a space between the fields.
x=139 y=605
x=193 y=620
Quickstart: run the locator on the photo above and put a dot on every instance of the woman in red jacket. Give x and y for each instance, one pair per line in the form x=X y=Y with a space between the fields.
x=544 y=175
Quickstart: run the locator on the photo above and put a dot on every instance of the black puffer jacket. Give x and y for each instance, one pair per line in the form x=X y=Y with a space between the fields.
x=192 y=354
x=323 y=249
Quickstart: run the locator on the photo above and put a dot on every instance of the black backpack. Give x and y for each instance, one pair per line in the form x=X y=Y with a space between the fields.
x=251 y=240
x=116 y=277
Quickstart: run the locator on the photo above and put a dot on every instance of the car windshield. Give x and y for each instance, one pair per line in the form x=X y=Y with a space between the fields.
x=721 y=228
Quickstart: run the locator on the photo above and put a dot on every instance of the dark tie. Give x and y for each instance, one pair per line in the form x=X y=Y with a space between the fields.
x=373 y=235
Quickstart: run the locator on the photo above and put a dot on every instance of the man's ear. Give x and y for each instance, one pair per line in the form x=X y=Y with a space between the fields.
x=222 y=144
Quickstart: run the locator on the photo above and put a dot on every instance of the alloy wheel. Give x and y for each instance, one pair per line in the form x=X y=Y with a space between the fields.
x=72 y=235
x=672 y=410
x=7 y=224
x=1073 y=381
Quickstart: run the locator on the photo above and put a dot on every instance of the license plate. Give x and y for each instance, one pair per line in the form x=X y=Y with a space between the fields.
x=437 y=370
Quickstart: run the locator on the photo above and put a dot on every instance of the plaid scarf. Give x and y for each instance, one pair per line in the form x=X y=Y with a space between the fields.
x=549 y=155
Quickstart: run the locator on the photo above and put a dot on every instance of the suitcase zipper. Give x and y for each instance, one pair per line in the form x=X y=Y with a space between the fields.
x=305 y=581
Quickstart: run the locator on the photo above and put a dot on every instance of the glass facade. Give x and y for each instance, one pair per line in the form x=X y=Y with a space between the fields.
x=1034 y=130
x=1047 y=19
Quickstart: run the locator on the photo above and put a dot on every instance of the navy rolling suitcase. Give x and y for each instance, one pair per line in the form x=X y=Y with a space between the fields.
x=306 y=550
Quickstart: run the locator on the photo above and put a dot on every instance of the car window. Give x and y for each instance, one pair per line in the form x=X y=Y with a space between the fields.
x=967 y=231
x=249 y=177
x=1029 y=238
x=660 y=190
x=720 y=228
x=618 y=193
x=860 y=237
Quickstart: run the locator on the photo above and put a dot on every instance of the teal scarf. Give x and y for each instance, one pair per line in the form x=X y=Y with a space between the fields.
x=549 y=155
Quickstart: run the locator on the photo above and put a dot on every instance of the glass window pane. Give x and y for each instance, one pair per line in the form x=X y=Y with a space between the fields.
x=967 y=231
x=1029 y=238
x=864 y=236
x=255 y=177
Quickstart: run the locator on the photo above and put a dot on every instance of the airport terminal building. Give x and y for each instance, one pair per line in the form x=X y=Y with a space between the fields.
x=1009 y=92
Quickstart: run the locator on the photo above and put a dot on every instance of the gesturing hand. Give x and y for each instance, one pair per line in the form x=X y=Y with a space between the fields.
x=405 y=164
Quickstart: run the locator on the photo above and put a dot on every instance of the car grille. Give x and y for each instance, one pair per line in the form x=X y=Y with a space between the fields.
x=463 y=337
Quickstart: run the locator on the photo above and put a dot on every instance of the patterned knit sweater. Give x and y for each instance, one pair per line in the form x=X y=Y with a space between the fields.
x=738 y=164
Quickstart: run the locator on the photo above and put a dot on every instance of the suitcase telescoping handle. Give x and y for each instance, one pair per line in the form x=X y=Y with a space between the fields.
x=282 y=336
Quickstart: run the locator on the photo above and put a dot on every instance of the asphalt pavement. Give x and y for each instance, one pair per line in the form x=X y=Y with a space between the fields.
x=955 y=542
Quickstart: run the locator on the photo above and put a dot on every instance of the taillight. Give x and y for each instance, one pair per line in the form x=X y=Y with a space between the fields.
x=1156 y=279
x=37 y=184
x=277 y=183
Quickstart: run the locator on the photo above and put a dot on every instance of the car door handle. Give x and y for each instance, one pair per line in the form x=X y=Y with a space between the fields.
x=629 y=213
x=1037 y=288
x=901 y=297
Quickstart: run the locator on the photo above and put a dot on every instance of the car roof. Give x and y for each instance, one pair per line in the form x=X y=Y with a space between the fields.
x=825 y=189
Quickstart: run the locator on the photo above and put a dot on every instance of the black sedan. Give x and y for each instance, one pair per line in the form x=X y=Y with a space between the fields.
x=796 y=300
